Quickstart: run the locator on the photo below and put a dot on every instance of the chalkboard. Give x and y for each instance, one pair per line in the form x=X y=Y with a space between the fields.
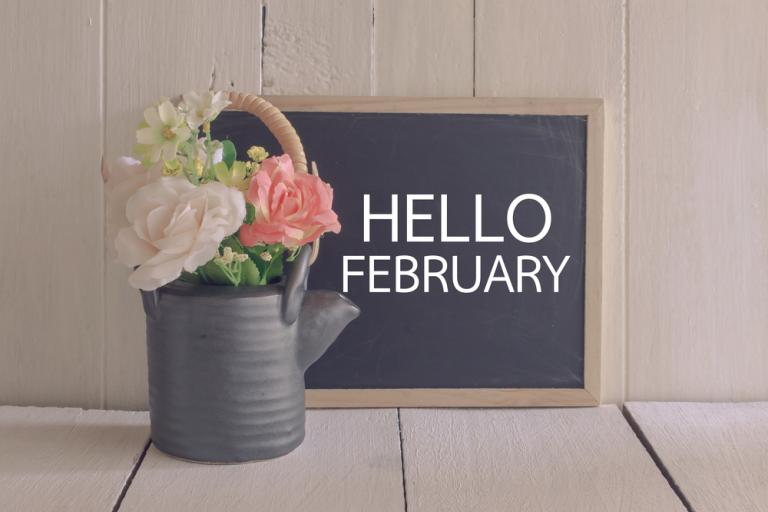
x=499 y=186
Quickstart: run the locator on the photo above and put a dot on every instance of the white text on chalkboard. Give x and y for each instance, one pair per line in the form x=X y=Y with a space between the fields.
x=434 y=272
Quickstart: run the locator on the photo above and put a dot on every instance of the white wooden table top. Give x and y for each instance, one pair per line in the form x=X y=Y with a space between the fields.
x=419 y=460
x=715 y=453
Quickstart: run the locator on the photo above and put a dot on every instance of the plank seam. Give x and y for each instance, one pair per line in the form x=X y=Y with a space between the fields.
x=261 y=59
x=656 y=459
x=131 y=476
x=402 y=459
x=372 y=57
x=625 y=74
x=103 y=141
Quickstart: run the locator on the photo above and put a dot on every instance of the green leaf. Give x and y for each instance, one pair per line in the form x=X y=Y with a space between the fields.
x=190 y=277
x=250 y=213
x=221 y=171
x=229 y=152
x=220 y=274
x=233 y=243
x=275 y=269
x=250 y=273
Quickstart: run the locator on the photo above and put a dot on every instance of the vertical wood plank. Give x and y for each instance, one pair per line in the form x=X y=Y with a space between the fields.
x=540 y=460
x=317 y=47
x=349 y=462
x=51 y=310
x=698 y=217
x=157 y=49
x=67 y=459
x=557 y=48
x=423 y=47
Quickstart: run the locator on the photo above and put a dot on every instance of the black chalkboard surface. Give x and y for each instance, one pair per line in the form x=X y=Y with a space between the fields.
x=430 y=320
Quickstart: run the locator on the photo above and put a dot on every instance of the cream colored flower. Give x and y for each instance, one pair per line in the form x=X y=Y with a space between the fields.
x=122 y=179
x=176 y=226
x=159 y=136
x=201 y=108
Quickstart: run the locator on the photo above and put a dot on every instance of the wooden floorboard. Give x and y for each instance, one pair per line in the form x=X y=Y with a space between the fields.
x=67 y=459
x=715 y=453
x=586 y=459
x=349 y=461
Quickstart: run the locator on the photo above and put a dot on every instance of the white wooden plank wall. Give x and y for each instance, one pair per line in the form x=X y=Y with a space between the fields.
x=698 y=208
x=686 y=109
x=51 y=303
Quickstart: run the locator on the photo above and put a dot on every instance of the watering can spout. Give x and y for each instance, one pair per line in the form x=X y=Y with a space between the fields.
x=321 y=315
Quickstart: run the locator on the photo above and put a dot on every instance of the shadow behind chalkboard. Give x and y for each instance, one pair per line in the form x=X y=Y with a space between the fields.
x=448 y=340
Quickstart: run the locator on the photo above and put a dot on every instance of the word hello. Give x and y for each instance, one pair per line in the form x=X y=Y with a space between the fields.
x=407 y=274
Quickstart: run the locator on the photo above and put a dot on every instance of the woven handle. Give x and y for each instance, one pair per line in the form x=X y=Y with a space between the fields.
x=283 y=131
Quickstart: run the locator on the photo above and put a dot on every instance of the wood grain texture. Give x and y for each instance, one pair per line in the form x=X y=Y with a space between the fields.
x=423 y=47
x=67 y=459
x=317 y=47
x=450 y=397
x=350 y=461
x=716 y=453
x=534 y=460
x=557 y=48
x=51 y=314
x=698 y=218
x=156 y=49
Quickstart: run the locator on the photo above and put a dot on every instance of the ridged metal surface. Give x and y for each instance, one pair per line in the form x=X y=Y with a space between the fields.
x=224 y=382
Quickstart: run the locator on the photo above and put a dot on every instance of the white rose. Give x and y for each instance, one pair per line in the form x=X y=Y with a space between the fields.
x=122 y=179
x=176 y=225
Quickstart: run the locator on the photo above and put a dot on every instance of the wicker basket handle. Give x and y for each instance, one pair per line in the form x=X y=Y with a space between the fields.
x=282 y=130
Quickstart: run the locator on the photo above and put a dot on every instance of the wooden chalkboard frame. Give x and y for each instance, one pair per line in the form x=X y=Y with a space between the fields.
x=590 y=394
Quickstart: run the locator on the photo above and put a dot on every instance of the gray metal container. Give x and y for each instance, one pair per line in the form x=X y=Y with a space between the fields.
x=226 y=364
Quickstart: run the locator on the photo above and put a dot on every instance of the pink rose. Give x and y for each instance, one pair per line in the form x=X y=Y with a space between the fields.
x=291 y=208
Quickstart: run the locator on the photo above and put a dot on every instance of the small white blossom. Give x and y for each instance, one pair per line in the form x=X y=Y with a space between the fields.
x=201 y=108
x=161 y=133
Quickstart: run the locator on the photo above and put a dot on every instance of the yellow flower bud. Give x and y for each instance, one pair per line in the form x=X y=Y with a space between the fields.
x=241 y=257
x=265 y=256
x=257 y=153
x=198 y=167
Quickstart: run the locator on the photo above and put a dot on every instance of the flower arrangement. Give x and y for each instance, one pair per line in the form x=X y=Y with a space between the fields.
x=186 y=208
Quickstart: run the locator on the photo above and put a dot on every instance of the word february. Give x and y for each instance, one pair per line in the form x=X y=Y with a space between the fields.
x=432 y=273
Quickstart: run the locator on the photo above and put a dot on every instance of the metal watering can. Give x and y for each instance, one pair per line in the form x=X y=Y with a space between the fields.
x=226 y=364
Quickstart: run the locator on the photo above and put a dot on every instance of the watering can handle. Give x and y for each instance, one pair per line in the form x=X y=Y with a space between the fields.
x=296 y=285
x=149 y=300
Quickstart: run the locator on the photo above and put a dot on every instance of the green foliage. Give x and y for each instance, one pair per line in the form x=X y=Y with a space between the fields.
x=216 y=272
x=268 y=259
x=264 y=265
x=250 y=273
x=229 y=153
x=250 y=213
